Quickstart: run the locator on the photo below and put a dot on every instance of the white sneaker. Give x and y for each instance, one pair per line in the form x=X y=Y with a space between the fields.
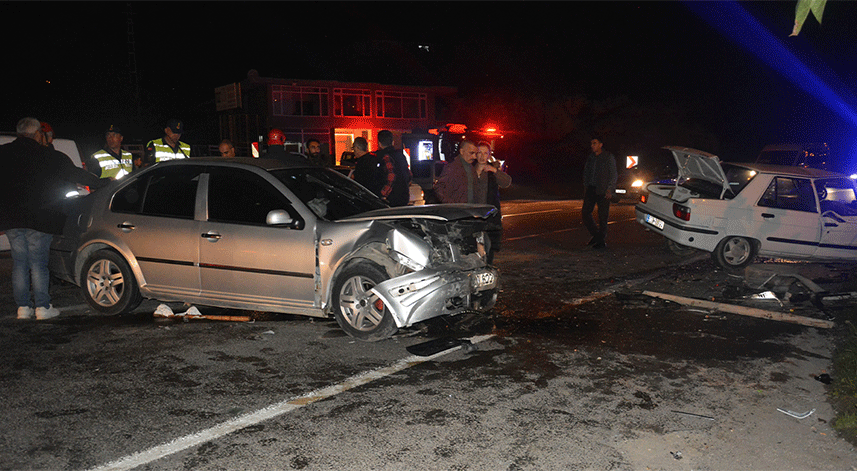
x=49 y=312
x=25 y=312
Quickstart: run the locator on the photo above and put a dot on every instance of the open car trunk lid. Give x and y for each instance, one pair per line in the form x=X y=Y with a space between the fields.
x=701 y=165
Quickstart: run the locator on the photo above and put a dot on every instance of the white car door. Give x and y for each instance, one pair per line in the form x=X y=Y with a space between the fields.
x=787 y=218
x=838 y=203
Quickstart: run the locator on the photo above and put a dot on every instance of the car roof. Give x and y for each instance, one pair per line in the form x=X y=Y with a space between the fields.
x=791 y=171
x=267 y=164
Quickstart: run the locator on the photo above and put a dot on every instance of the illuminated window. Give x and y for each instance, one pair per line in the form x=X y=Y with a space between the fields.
x=400 y=104
x=352 y=102
x=299 y=101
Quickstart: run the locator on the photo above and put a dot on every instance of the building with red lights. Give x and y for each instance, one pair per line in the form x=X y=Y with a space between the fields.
x=332 y=112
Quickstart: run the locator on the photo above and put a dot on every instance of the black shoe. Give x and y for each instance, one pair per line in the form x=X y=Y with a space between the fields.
x=594 y=240
x=599 y=245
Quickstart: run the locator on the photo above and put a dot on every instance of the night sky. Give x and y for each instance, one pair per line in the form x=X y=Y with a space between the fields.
x=69 y=61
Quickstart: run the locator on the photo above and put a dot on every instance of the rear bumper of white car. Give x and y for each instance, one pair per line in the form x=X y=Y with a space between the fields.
x=684 y=234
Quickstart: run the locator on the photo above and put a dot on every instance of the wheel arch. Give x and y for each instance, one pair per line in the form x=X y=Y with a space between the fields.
x=85 y=252
x=375 y=252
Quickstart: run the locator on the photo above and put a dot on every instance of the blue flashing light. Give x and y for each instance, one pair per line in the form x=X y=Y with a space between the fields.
x=738 y=25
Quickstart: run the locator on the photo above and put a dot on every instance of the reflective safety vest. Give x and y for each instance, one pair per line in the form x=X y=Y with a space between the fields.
x=163 y=151
x=111 y=166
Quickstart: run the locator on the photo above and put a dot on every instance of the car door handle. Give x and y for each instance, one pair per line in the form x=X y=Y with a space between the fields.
x=212 y=236
x=767 y=215
x=126 y=227
x=831 y=224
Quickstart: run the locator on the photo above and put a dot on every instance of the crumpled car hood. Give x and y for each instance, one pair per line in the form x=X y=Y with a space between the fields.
x=697 y=164
x=441 y=212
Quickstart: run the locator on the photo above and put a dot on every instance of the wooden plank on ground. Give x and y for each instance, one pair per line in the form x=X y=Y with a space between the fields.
x=744 y=311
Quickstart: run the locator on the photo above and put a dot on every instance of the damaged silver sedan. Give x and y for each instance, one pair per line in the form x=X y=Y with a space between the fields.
x=255 y=234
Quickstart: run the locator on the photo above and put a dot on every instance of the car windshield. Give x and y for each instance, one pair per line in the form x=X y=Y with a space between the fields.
x=837 y=195
x=328 y=194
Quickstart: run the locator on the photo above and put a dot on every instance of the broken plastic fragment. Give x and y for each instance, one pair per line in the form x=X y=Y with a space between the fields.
x=796 y=415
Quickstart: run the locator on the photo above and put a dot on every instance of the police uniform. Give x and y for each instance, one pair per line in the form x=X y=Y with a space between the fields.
x=158 y=149
x=112 y=164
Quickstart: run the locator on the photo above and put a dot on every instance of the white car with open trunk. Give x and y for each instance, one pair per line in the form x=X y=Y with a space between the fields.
x=738 y=211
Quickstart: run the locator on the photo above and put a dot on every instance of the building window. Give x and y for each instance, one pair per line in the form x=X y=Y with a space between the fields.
x=299 y=101
x=400 y=104
x=352 y=102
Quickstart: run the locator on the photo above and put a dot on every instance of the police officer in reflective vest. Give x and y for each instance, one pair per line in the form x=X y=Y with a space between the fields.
x=111 y=161
x=168 y=147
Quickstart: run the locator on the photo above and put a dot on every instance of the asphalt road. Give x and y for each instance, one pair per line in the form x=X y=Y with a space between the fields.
x=573 y=369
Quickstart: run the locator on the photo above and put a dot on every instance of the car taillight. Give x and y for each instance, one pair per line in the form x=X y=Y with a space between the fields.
x=644 y=197
x=681 y=212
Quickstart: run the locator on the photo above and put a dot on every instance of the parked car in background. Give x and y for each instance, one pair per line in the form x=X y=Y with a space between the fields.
x=260 y=235
x=66 y=146
x=797 y=155
x=739 y=211
x=629 y=185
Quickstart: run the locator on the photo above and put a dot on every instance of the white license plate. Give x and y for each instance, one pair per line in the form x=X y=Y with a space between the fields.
x=484 y=280
x=620 y=191
x=655 y=221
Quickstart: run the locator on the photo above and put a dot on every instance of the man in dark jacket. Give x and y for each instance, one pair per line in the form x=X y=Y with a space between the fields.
x=33 y=185
x=455 y=184
x=599 y=181
x=394 y=171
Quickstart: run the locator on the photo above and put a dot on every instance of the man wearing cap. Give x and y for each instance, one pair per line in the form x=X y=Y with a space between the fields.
x=168 y=147
x=111 y=161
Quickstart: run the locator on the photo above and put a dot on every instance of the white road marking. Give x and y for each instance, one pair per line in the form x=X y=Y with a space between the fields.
x=531 y=212
x=182 y=443
x=560 y=230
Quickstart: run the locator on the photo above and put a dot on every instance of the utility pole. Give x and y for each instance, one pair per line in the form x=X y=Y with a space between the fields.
x=132 y=61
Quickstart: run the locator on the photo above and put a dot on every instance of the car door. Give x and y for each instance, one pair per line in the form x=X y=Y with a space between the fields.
x=154 y=218
x=243 y=261
x=787 y=217
x=838 y=203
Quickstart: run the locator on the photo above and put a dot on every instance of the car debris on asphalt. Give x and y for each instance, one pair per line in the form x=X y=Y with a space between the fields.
x=165 y=312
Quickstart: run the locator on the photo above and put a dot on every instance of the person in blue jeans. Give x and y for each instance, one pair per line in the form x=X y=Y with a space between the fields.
x=33 y=186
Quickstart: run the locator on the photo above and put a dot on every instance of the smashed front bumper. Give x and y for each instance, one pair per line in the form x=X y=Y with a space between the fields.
x=429 y=293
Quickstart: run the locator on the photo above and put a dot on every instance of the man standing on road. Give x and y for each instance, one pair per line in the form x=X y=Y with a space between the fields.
x=32 y=190
x=394 y=165
x=599 y=181
x=365 y=166
x=170 y=146
x=455 y=184
x=111 y=161
x=226 y=148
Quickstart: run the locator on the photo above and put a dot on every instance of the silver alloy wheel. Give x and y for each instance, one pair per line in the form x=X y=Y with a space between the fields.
x=736 y=251
x=105 y=283
x=362 y=309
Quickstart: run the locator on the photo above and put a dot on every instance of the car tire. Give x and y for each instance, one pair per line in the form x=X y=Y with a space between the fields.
x=679 y=249
x=734 y=252
x=108 y=284
x=358 y=312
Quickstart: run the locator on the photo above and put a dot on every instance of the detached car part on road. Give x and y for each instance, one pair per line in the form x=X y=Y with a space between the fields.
x=255 y=234
x=739 y=211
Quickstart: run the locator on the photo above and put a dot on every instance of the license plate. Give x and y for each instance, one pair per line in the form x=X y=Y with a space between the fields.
x=620 y=191
x=484 y=280
x=655 y=221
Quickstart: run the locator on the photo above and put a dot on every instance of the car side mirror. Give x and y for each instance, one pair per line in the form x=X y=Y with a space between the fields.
x=281 y=217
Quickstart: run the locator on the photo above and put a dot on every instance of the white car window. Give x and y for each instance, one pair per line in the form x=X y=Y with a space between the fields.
x=794 y=194
x=837 y=195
